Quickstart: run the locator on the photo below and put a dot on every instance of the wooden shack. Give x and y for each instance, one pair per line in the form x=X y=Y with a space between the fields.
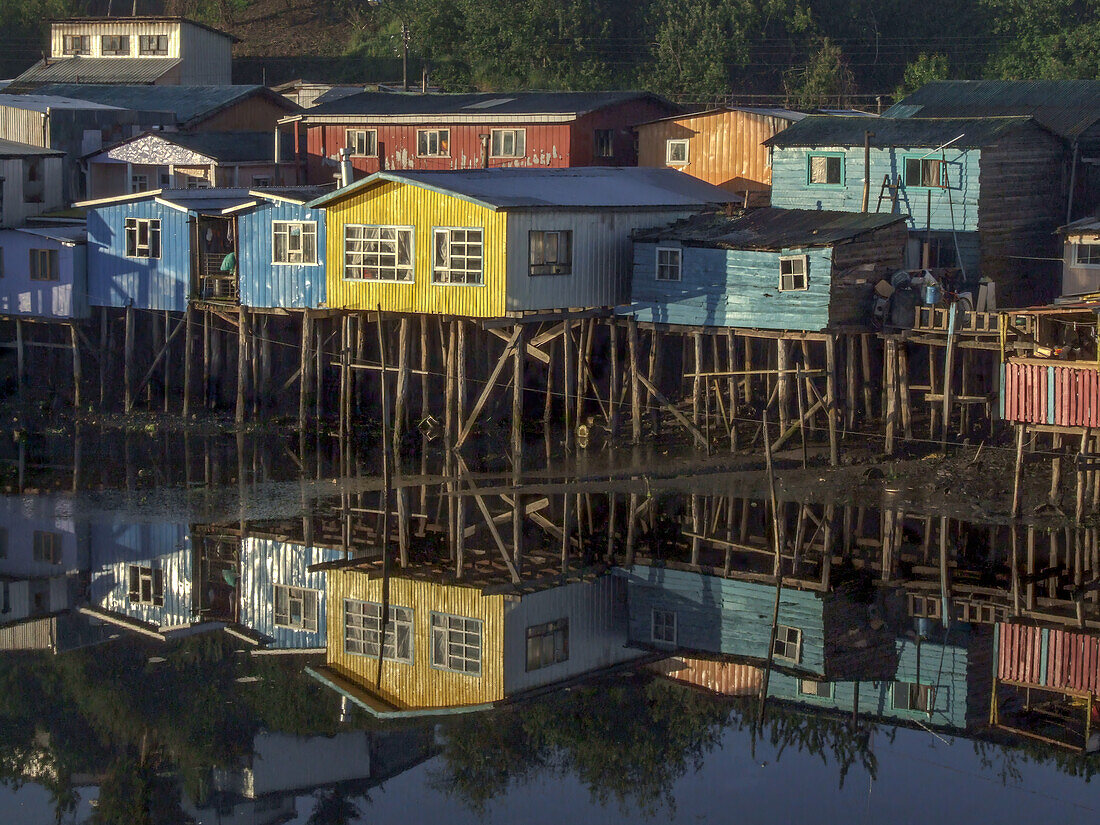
x=31 y=182
x=1080 y=258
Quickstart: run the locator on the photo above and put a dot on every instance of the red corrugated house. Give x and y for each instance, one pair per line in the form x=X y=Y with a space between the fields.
x=384 y=130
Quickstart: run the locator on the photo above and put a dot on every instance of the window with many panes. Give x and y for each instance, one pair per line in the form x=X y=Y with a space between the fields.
x=826 y=170
x=547 y=644
x=153 y=44
x=146 y=585
x=793 y=274
x=457 y=256
x=363 y=630
x=362 y=142
x=663 y=626
x=143 y=237
x=260 y=181
x=378 y=253
x=812 y=687
x=295 y=607
x=433 y=143
x=551 y=252
x=605 y=143
x=115 y=44
x=294 y=242
x=668 y=264
x=925 y=172
x=47 y=547
x=43 y=265
x=912 y=696
x=508 y=143
x=676 y=151
x=76 y=44
x=139 y=183
x=788 y=643
x=456 y=643
x=1086 y=254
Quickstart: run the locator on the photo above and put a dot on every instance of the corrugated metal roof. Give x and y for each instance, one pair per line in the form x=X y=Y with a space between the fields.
x=95 y=70
x=14 y=149
x=199 y=200
x=43 y=102
x=188 y=102
x=770 y=228
x=488 y=103
x=831 y=130
x=783 y=114
x=1066 y=107
x=578 y=188
x=65 y=234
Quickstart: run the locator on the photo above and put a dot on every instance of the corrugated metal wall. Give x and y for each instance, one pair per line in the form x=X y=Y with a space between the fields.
x=420 y=684
x=597 y=631
x=731 y=288
x=19 y=295
x=725 y=678
x=724 y=148
x=423 y=209
x=113 y=548
x=38 y=634
x=287 y=286
x=117 y=281
x=96 y=29
x=207 y=57
x=24 y=126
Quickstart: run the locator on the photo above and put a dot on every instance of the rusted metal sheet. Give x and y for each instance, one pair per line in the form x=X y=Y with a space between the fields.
x=725 y=678
x=1076 y=397
x=1073 y=661
x=1020 y=654
x=1026 y=393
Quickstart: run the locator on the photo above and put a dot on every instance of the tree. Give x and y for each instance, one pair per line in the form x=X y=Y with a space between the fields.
x=824 y=80
x=923 y=70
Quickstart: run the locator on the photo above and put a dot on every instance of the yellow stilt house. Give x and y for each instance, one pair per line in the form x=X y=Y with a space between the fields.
x=497 y=242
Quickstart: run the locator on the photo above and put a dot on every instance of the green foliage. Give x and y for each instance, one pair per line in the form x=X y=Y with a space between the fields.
x=1047 y=39
x=824 y=80
x=923 y=70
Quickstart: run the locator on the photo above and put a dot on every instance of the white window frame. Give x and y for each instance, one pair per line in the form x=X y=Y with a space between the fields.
x=469 y=276
x=663 y=626
x=361 y=637
x=561 y=265
x=676 y=143
x=1077 y=253
x=122 y=38
x=380 y=253
x=370 y=146
x=925 y=694
x=442 y=141
x=556 y=633
x=790 y=277
x=497 y=140
x=142 y=250
x=139 y=575
x=463 y=633
x=305 y=229
x=43 y=265
x=308 y=602
x=85 y=41
x=659 y=266
x=144 y=51
x=786 y=637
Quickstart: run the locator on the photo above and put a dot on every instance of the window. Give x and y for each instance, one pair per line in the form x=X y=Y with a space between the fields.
x=551 y=253
x=433 y=143
x=605 y=143
x=793 y=274
x=668 y=264
x=152 y=44
x=676 y=151
x=363 y=631
x=911 y=696
x=1086 y=254
x=812 y=687
x=925 y=172
x=295 y=607
x=115 y=44
x=197 y=182
x=456 y=643
x=165 y=180
x=508 y=143
x=146 y=585
x=47 y=547
x=139 y=183
x=43 y=265
x=363 y=142
x=826 y=170
x=788 y=643
x=663 y=628
x=547 y=644
x=378 y=253
x=142 y=237
x=32 y=180
x=457 y=256
x=76 y=44
x=293 y=242
x=260 y=181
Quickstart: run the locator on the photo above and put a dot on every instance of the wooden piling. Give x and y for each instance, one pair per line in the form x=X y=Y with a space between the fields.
x=567 y=379
x=635 y=384
x=868 y=391
x=242 y=364
x=517 y=391
x=128 y=359
x=104 y=351
x=188 y=357
x=889 y=365
x=831 y=410
x=614 y=380
x=78 y=372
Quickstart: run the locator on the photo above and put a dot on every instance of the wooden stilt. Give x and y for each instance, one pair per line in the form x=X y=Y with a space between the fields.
x=207 y=400
x=104 y=356
x=451 y=425
x=653 y=373
x=568 y=366
x=782 y=366
x=461 y=384
x=517 y=390
x=697 y=381
x=890 y=414
x=188 y=358
x=614 y=380
x=1081 y=479
x=425 y=406
x=1019 y=471
x=868 y=391
x=635 y=385
x=305 y=369
x=242 y=363
x=548 y=398
x=902 y=372
x=128 y=359
x=167 y=382
x=851 y=382
x=832 y=412
x=948 y=382
x=1056 y=469
x=265 y=400
x=78 y=372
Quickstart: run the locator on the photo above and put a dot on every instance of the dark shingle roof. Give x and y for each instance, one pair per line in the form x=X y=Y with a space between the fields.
x=770 y=228
x=1066 y=107
x=231 y=147
x=831 y=130
x=489 y=104
x=142 y=70
x=14 y=149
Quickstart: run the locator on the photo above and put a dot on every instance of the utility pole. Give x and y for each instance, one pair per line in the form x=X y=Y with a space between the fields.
x=405 y=56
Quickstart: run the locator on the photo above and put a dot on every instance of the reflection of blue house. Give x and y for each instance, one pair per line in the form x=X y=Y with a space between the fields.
x=790 y=269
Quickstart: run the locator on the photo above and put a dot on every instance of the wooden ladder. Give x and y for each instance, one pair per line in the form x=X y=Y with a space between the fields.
x=893 y=190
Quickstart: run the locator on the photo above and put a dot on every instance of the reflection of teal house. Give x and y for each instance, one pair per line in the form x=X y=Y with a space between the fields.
x=987 y=193
x=789 y=269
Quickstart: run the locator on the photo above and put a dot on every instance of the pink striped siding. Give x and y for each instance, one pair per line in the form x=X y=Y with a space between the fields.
x=1025 y=393
x=1073 y=661
x=1077 y=397
x=1020 y=655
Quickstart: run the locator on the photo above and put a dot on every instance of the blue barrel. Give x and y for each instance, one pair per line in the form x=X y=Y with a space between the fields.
x=932 y=293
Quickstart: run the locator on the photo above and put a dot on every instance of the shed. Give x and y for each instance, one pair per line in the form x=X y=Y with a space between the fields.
x=1081 y=257
x=784 y=269
x=490 y=243
x=30 y=181
x=44 y=271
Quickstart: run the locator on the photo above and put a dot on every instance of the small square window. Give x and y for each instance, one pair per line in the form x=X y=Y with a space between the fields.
x=793 y=275
x=76 y=44
x=458 y=256
x=362 y=143
x=363 y=631
x=812 y=687
x=296 y=607
x=826 y=170
x=912 y=696
x=605 y=143
x=676 y=152
x=146 y=585
x=116 y=45
x=456 y=643
x=143 y=237
x=47 y=547
x=788 y=643
x=547 y=644
x=293 y=242
x=378 y=253
x=551 y=252
x=139 y=183
x=668 y=264
x=153 y=44
x=433 y=143
x=508 y=143
x=1086 y=254
x=663 y=629
x=925 y=173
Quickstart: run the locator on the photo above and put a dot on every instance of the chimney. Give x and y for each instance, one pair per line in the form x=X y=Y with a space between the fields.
x=346 y=176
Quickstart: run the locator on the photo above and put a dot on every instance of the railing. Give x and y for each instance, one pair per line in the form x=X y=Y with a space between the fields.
x=1051 y=393
x=936 y=319
x=214 y=284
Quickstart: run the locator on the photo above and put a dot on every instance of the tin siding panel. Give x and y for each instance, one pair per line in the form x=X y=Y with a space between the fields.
x=148 y=283
x=279 y=286
x=163 y=546
x=725 y=678
x=597 y=631
x=19 y=295
x=731 y=288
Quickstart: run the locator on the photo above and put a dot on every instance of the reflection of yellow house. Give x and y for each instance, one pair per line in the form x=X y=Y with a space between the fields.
x=457 y=647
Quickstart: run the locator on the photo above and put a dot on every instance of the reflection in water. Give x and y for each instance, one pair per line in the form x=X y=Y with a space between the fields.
x=506 y=623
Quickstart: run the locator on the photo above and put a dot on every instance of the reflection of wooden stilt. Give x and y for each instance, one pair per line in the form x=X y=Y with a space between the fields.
x=889 y=365
x=402 y=391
